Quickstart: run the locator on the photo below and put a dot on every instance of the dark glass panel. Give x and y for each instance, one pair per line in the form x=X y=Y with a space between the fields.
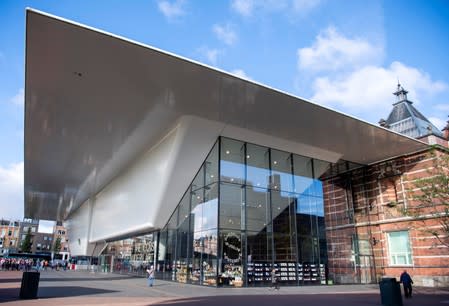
x=284 y=214
x=303 y=175
x=258 y=215
x=231 y=206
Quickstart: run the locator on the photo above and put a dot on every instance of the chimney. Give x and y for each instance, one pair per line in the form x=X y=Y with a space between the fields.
x=445 y=131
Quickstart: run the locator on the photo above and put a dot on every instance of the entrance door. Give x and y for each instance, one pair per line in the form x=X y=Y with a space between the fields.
x=366 y=269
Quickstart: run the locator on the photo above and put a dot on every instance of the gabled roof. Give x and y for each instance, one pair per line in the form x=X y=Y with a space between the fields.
x=404 y=118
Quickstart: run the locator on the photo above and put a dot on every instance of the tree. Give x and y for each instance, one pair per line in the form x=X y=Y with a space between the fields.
x=57 y=245
x=430 y=197
x=27 y=242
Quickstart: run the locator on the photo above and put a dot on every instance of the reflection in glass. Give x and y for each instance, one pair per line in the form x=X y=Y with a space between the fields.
x=258 y=166
x=232 y=163
x=204 y=208
x=303 y=175
x=281 y=171
x=254 y=209
x=231 y=206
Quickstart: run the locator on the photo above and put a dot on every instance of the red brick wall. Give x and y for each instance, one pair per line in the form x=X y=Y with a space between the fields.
x=363 y=206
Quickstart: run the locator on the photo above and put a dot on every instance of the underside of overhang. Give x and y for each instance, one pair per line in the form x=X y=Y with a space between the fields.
x=95 y=102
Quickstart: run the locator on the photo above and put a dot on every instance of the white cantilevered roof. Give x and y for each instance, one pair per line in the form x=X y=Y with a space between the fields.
x=95 y=101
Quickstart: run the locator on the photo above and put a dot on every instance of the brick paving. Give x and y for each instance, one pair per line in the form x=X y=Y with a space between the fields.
x=69 y=288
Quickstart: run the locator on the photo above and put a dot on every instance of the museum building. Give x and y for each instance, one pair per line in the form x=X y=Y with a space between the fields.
x=153 y=159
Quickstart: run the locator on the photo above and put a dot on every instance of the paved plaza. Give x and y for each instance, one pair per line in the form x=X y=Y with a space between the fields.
x=66 y=288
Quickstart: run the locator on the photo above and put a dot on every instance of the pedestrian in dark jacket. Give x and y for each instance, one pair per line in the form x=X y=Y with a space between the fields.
x=407 y=282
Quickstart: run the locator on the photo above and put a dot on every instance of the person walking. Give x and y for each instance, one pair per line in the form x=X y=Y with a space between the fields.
x=274 y=280
x=150 y=272
x=407 y=282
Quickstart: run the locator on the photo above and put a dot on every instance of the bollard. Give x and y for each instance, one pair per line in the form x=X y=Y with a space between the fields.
x=30 y=285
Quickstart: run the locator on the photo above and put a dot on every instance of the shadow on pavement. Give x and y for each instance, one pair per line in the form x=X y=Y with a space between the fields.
x=11 y=280
x=305 y=299
x=83 y=279
x=66 y=291
x=12 y=294
x=9 y=294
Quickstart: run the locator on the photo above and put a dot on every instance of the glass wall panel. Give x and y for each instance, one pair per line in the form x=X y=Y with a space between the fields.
x=303 y=174
x=281 y=171
x=170 y=255
x=208 y=172
x=184 y=238
x=232 y=163
x=258 y=166
x=200 y=179
x=162 y=245
x=284 y=227
x=258 y=215
x=284 y=237
x=259 y=236
x=211 y=166
x=232 y=201
x=204 y=208
x=132 y=255
x=204 y=263
x=264 y=209
x=260 y=259
x=230 y=271
x=320 y=167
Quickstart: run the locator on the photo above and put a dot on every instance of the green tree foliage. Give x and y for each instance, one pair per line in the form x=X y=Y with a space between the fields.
x=27 y=242
x=430 y=197
x=57 y=245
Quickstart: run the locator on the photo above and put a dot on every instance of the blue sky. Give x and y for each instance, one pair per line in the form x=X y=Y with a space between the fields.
x=344 y=54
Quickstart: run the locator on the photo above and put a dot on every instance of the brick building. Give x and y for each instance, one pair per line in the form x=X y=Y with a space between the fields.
x=368 y=234
x=9 y=236
x=59 y=231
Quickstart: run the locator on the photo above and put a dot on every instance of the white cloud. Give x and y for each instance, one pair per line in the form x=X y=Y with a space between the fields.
x=442 y=107
x=332 y=51
x=347 y=74
x=225 y=33
x=303 y=6
x=19 y=98
x=240 y=73
x=438 y=122
x=248 y=8
x=243 y=7
x=211 y=55
x=172 y=10
x=11 y=191
x=370 y=88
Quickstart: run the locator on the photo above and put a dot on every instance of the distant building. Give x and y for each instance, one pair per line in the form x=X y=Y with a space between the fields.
x=33 y=225
x=42 y=243
x=9 y=236
x=59 y=231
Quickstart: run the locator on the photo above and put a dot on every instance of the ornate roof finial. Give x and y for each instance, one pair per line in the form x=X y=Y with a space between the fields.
x=401 y=93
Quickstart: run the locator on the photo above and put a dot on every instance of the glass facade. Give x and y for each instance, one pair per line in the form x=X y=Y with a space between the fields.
x=248 y=210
